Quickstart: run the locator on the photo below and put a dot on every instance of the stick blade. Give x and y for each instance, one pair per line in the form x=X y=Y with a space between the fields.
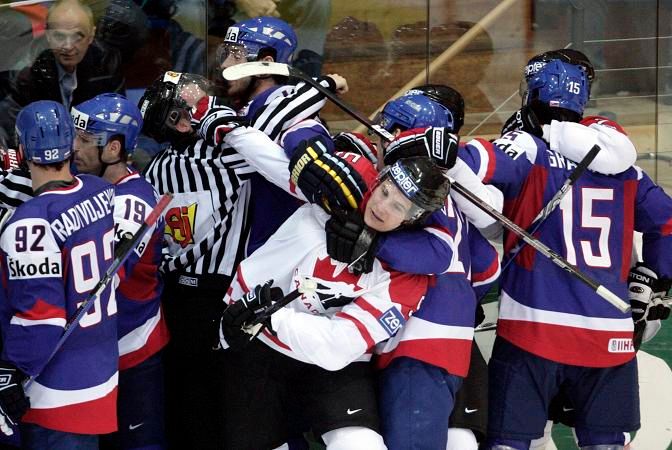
x=255 y=68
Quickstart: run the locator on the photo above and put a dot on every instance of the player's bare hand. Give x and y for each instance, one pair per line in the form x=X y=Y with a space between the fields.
x=255 y=8
x=341 y=83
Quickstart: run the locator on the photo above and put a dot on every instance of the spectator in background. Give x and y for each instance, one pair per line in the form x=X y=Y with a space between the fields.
x=74 y=68
x=309 y=18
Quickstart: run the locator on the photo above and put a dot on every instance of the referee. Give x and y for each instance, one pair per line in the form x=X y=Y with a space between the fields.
x=206 y=231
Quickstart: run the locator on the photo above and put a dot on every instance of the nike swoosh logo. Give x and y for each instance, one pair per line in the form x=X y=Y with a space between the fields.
x=469 y=411
x=352 y=411
x=567 y=409
x=133 y=427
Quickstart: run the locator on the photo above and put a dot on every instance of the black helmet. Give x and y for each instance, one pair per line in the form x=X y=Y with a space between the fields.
x=446 y=96
x=165 y=102
x=421 y=181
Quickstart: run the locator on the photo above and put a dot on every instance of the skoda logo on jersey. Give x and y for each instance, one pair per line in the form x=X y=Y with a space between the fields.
x=402 y=180
x=232 y=34
x=80 y=119
x=392 y=320
x=28 y=266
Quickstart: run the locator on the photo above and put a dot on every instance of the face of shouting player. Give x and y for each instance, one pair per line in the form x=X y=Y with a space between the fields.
x=230 y=55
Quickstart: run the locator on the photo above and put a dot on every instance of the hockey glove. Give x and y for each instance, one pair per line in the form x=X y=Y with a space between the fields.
x=324 y=178
x=11 y=159
x=645 y=292
x=357 y=143
x=524 y=120
x=244 y=310
x=13 y=400
x=349 y=240
x=433 y=142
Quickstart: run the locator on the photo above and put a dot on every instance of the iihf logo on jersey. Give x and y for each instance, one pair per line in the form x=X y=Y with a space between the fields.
x=623 y=345
x=392 y=320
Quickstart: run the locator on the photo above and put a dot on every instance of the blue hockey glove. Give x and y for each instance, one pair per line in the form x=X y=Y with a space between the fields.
x=13 y=400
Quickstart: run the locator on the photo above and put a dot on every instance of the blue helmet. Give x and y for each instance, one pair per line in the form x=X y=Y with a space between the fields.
x=557 y=84
x=259 y=33
x=45 y=131
x=108 y=115
x=415 y=111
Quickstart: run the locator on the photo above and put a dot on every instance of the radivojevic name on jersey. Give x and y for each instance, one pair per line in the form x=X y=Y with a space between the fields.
x=83 y=214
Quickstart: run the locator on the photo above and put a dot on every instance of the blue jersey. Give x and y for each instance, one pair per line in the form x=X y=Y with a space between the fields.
x=54 y=250
x=543 y=309
x=142 y=328
x=284 y=114
x=441 y=332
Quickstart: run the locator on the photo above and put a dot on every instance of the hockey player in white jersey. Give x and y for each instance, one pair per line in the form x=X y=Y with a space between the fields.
x=309 y=366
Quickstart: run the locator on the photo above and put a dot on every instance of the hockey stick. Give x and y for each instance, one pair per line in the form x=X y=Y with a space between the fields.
x=270 y=68
x=555 y=201
x=121 y=253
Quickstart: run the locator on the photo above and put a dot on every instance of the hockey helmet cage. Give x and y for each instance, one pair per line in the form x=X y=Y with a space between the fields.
x=557 y=84
x=448 y=97
x=108 y=115
x=252 y=37
x=421 y=181
x=45 y=131
x=414 y=111
x=168 y=99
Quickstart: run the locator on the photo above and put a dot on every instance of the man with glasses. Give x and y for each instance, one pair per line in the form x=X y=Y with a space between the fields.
x=74 y=68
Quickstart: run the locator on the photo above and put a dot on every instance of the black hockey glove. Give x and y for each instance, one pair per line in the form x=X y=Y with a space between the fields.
x=434 y=142
x=357 y=143
x=645 y=292
x=13 y=400
x=524 y=120
x=324 y=178
x=349 y=240
x=244 y=310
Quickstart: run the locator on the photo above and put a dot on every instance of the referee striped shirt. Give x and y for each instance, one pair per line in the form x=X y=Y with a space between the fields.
x=206 y=222
x=16 y=188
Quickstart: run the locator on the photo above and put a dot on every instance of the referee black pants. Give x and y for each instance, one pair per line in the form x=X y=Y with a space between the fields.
x=194 y=373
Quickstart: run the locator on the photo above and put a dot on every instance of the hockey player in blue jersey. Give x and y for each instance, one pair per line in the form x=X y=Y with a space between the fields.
x=54 y=249
x=571 y=340
x=107 y=127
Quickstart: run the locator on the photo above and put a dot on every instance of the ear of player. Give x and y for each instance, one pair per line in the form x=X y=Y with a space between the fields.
x=325 y=178
x=434 y=142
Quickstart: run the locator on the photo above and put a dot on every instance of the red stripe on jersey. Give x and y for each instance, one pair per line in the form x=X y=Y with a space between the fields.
x=275 y=340
x=158 y=339
x=241 y=280
x=452 y=355
x=666 y=229
x=567 y=345
x=42 y=310
x=368 y=307
x=629 y=193
x=360 y=327
x=492 y=159
x=528 y=204
x=142 y=285
x=94 y=417
x=407 y=290
x=590 y=120
x=487 y=273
